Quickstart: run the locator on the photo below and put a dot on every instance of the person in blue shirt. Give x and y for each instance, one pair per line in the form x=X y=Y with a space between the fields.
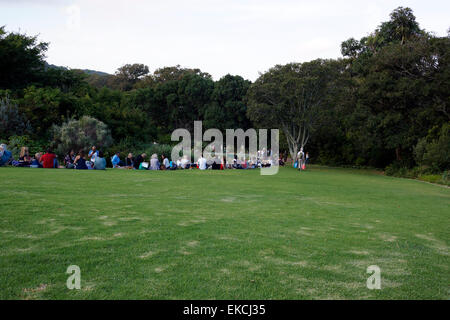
x=93 y=153
x=100 y=162
x=5 y=155
x=116 y=163
x=36 y=162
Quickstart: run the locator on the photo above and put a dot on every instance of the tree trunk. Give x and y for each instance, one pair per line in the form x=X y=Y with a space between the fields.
x=397 y=154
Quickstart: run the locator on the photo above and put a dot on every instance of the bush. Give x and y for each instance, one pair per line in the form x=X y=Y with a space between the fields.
x=159 y=149
x=15 y=143
x=360 y=161
x=81 y=135
x=12 y=122
x=424 y=174
x=446 y=176
x=391 y=169
x=435 y=151
x=433 y=178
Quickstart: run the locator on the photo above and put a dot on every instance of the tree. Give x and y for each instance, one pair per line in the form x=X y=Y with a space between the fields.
x=81 y=135
x=288 y=97
x=128 y=75
x=163 y=75
x=400 y=77
x=228 y=108
x=12 y=122
x=403 y=89
x=21 y=59
x=192 y=96
x=43 y=108
x=434 y=149
x=400 y=28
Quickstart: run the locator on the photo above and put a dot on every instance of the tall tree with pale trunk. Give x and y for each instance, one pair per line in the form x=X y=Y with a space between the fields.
x=289 y=97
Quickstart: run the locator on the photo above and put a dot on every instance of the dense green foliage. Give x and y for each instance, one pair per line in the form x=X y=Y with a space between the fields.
x=291 y=97
x=11 y=120
x=433 y=150
x=80 y=135
x=397 y=90
x=384 y=103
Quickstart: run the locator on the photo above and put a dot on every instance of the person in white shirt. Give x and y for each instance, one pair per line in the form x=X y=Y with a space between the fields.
x=201 y=163
x=166 y=162
x=184 y=162
x=93 y=154
x=300 y=159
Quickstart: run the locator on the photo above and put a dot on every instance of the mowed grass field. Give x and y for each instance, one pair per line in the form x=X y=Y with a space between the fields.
x=221 y=234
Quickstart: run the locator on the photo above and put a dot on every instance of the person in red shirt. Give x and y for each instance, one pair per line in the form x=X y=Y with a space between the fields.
x=48 y=159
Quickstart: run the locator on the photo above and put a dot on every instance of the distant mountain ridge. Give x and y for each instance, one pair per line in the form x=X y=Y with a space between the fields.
x=87 y=71
x=100 y=73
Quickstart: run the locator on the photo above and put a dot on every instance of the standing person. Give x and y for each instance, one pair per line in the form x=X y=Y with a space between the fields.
x=307 y=158
x=138 y=160
x=300 y=159
x=48 y=160
x=93 y=153
x=201 y=162
x=100 y=162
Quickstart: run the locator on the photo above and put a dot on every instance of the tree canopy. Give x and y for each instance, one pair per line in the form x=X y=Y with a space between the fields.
x=385 y=102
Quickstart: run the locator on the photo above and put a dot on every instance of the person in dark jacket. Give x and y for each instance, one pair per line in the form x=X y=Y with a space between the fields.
x=80 y=161
x=129 y=163
x=138 y=160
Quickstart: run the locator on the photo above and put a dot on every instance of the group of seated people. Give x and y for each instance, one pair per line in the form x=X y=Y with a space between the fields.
x=140 y=163
x=95 y=160
x=50 y=160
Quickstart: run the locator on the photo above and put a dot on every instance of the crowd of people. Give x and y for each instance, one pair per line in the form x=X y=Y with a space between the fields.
x=95 y=160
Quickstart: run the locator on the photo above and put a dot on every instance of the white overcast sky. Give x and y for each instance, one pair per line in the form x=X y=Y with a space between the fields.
x=234 y=36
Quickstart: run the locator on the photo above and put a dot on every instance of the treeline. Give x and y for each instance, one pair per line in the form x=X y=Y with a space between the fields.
x=385 y=103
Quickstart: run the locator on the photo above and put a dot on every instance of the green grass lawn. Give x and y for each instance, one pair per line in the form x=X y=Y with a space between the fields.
x=221 y=235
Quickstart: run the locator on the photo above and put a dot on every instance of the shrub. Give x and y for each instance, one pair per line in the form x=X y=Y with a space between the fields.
x=446 y=176
x=435 y=152
x=391 y=169
x=81 y=135
x=398 y=169
x=159 y=149
x=360 y=161
x=12 y=122
x=433 y=178
x=16 y=142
